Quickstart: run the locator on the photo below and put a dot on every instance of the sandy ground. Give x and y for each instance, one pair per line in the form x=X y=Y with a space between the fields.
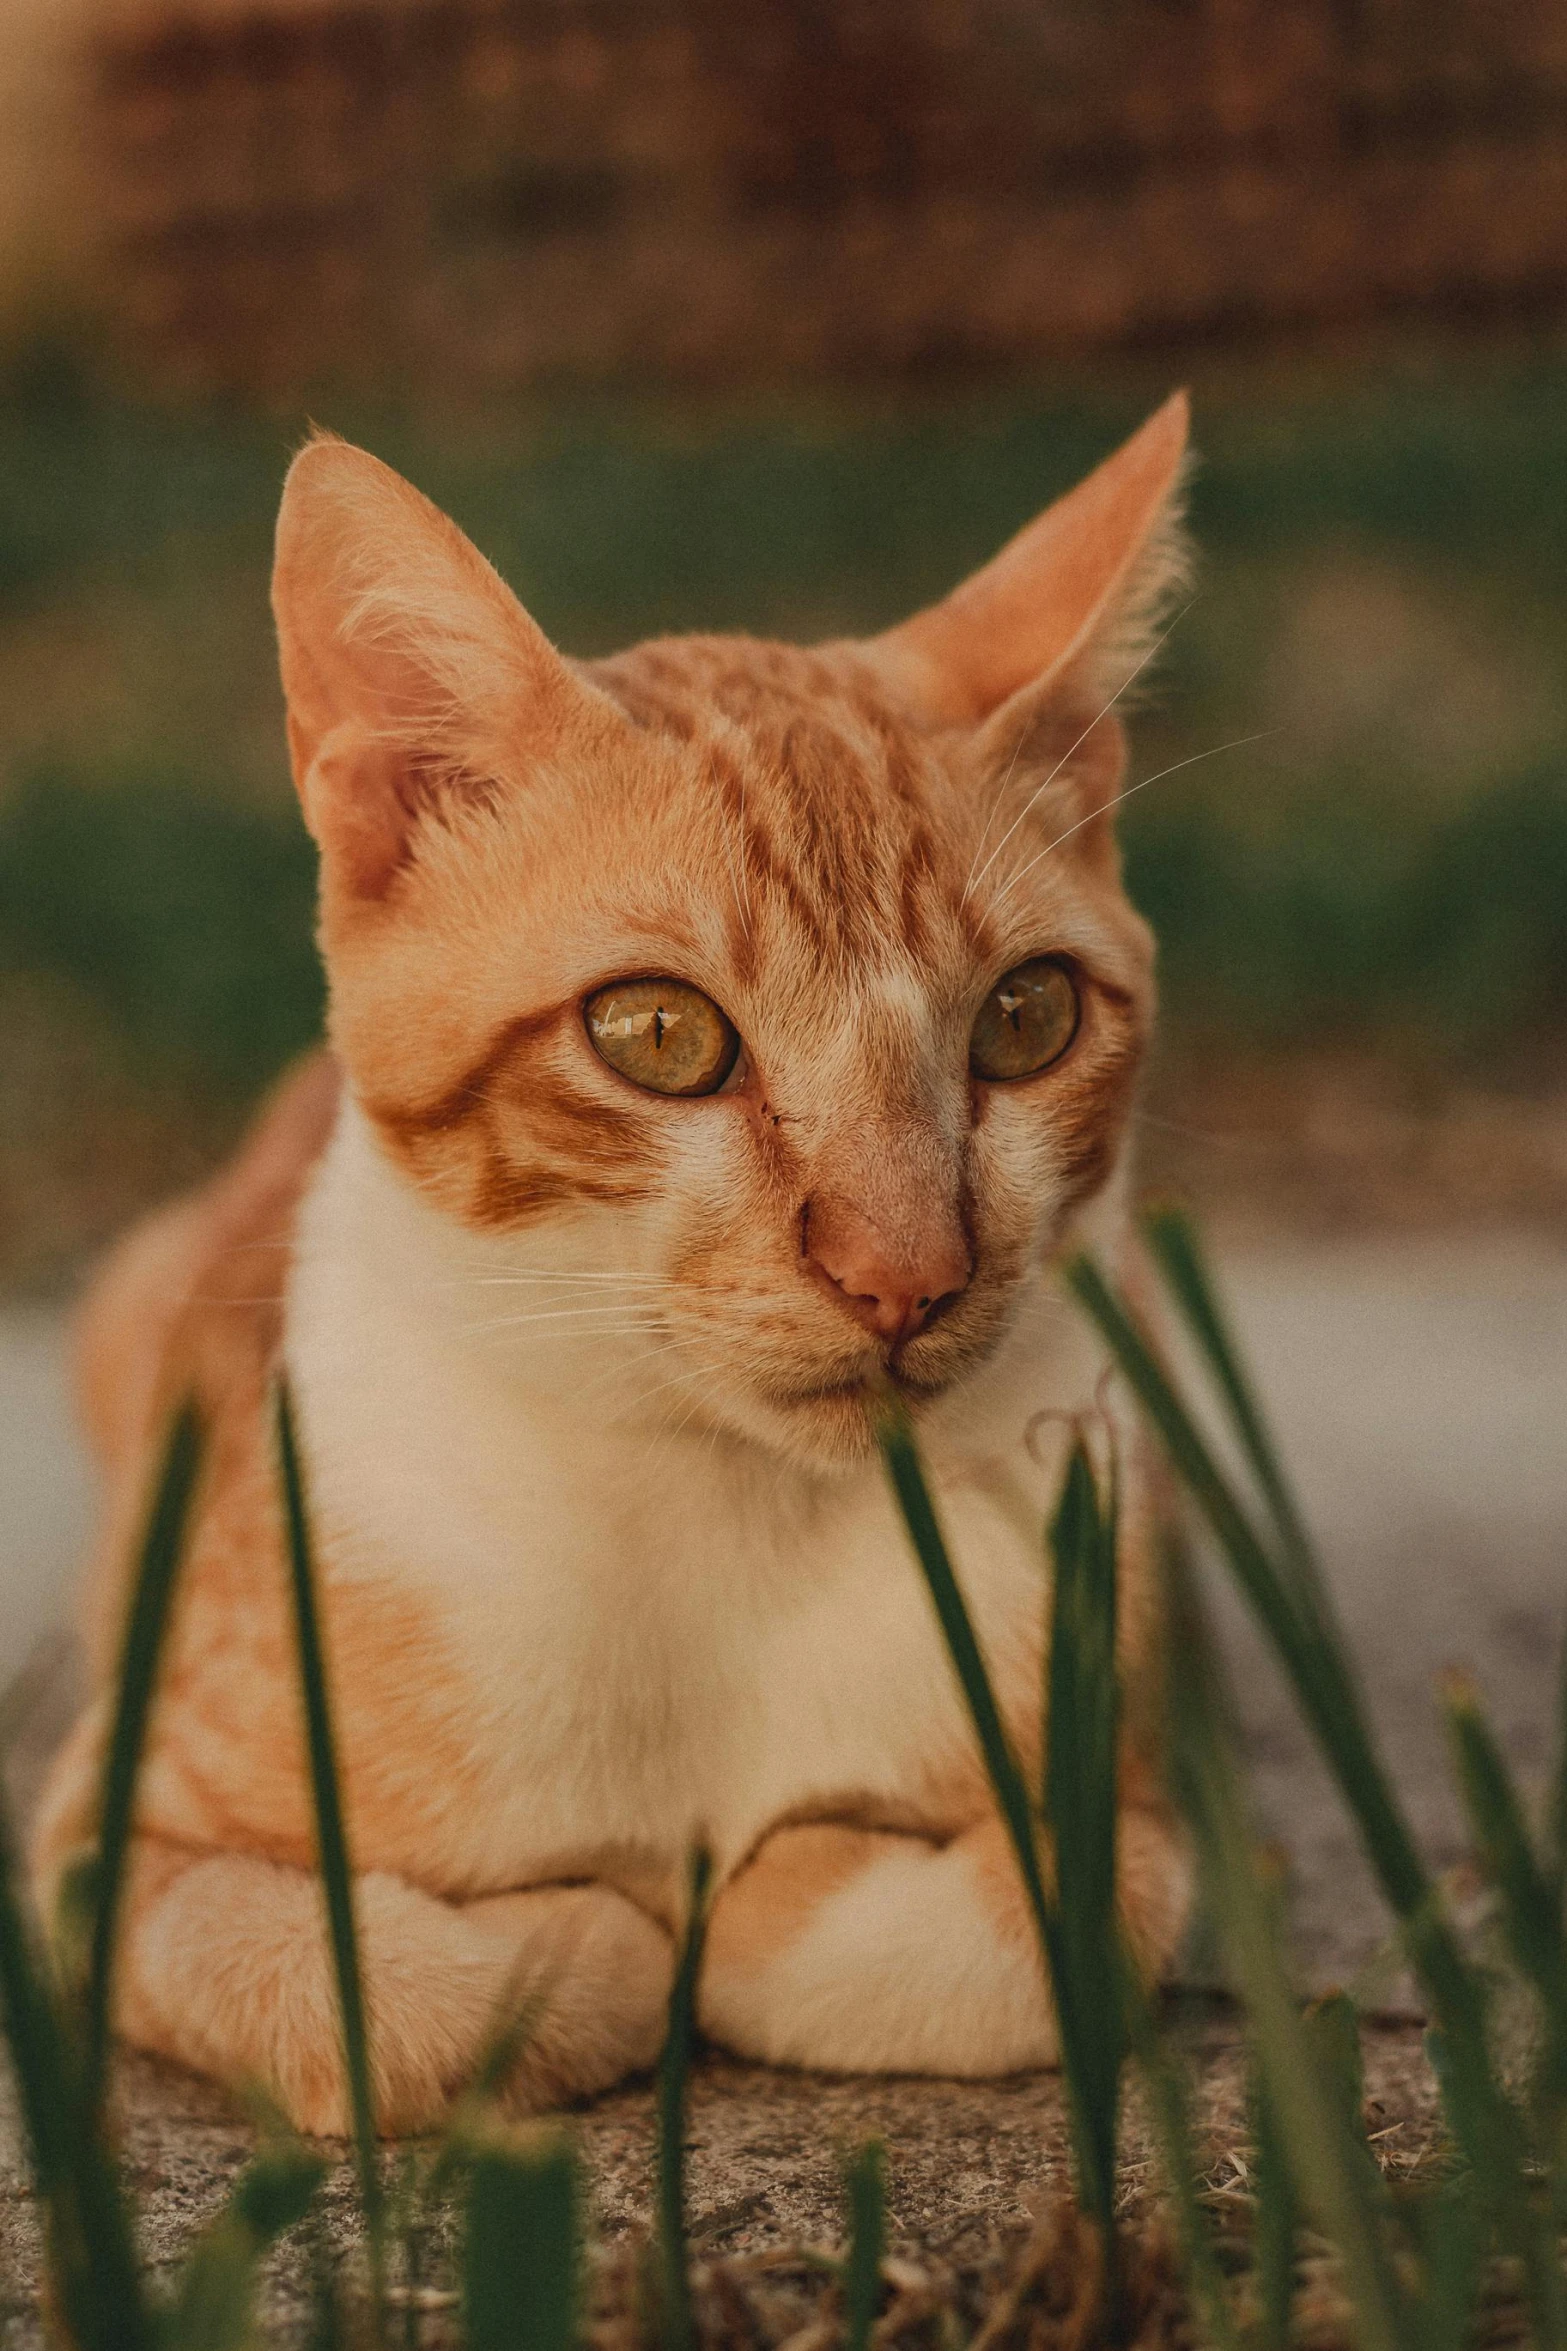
x=1419 y=1387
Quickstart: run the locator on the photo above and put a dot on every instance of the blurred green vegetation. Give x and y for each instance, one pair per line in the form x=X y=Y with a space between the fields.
x=1382 y=598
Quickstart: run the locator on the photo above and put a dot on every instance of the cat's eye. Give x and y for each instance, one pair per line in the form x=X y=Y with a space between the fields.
x=1026 y=1022
x=663 y=1034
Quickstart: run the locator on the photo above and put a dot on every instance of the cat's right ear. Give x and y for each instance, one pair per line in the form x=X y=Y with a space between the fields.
x=1074 y=601
x=415 y=680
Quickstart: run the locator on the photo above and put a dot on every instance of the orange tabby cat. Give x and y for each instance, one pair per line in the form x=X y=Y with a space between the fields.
x=714 y=1029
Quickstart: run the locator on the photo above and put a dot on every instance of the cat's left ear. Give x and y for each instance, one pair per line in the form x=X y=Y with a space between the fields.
x=1075 y=598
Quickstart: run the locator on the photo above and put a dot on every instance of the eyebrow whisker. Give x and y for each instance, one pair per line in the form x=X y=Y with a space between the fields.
x=1237 y=743
x=1130 y=679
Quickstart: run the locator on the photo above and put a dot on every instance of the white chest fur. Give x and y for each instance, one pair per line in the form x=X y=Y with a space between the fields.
x=665 y=1631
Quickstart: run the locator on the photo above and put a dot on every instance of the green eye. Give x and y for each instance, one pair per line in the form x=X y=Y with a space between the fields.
x=1026 y=1022
x=663 y=1034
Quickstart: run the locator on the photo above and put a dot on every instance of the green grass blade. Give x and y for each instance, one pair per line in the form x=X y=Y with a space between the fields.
x=1310 y=1656
x=674 y=2074
x=1531 y=1917
x=1557 y=1823
x=331 y=1836
x=1334 y=2029
x=1171 y=2121
x=1081 y=1811
x=145 y=1628
x=1276 y=2218
x=90 y=2251
x=328 y=2328
x=1481 y=2116
x=1450 y=2236
x=1532 y=1923
x=1277 y=2215
x=1084 y=1989
x=1172 y=1237
x=522 y=2253
x=899 y=1453
x=866 y=2182
x=214 y=2308
x=1320 y=2150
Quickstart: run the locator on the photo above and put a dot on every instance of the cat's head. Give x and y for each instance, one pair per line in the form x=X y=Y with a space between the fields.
x=784 y=1004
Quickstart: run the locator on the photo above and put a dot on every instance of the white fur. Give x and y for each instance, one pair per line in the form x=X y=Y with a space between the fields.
x=906 y=1969
x=670 y=1631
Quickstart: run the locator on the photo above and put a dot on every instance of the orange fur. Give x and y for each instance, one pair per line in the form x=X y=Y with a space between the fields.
x=845 y=847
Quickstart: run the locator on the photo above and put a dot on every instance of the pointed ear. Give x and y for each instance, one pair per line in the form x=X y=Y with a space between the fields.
x=1080 y=587
x=414 y=678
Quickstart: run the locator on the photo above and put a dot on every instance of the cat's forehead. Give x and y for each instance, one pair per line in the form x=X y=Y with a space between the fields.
x=832 y=807
x=682 y=685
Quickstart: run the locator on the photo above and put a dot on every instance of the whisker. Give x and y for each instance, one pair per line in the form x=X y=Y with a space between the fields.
x=1236 y=744
x=630 y=1281
x=672 y=1430
x=1229 y=1138
x=1130 y=679
x=589 y=1387
x=579 y=1314
x=991 y=812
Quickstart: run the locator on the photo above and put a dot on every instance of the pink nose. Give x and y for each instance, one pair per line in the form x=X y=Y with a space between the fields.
x=893 y=1293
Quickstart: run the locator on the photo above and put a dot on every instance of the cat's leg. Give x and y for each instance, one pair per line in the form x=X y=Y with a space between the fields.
x=864 y=1951
x=225 y=1966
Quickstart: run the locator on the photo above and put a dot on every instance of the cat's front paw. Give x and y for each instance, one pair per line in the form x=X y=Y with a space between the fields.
x=228 y=1969
x=865 y=1952
x=594 y=1993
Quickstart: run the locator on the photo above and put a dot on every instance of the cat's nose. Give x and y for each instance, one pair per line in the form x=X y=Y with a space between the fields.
x=893 y=1292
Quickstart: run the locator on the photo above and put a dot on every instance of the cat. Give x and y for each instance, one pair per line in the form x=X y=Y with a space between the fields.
x=715 y=1030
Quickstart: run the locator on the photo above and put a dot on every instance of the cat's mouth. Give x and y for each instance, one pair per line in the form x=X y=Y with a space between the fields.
x=863 y=1387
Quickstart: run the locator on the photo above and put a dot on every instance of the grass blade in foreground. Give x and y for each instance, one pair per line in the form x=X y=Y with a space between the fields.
x=1557 y=1825
x=1086 y=1996
x=1275 y=2220
x=331 y=1837
x=1531 y=1916
x=896 y=1438
x=145 y=1628
x=91 y=2255
x=215 y=2307
x=866 y=2181
x=674 y=2071
x=1081 y=1807
x=1173 y=1239
x=1321 y=2149
x=1167 y=2105
x=1482 y=2117
x=1486 y=2124
x=523 y=2252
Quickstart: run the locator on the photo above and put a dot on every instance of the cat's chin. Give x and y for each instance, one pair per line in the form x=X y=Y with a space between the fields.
x=830 y=1426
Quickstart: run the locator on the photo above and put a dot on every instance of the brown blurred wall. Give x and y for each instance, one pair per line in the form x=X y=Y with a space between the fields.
x=503 y=192
x=45 y=62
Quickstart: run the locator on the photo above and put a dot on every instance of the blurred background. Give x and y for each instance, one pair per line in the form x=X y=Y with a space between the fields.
x=781 y=315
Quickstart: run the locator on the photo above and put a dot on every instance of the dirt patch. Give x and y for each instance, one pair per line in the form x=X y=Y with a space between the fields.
x=972 y=2168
